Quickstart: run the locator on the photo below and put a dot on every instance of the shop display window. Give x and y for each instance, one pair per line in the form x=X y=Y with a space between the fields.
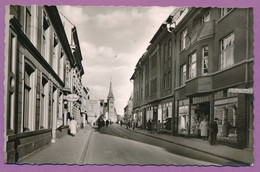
x=183 y=124
x=227 y=117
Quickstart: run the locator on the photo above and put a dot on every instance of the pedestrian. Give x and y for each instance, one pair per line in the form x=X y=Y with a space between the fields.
x=128 y=125
x=159 y=125
x=226 y=128
x=107 y=123
x=213 y=131
x=204 y=126
x=73 y=127
x=149 y=126
x=133 y=125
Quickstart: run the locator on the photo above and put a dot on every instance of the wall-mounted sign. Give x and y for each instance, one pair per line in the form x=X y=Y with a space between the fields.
x=71 y=97
x=241 y=90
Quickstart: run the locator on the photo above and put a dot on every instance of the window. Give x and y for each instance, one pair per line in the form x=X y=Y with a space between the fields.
x=170 y=48
x=227 y=51
x=192 y=65
x=28 y=18
x=153 y=86
x=205 y=17
x=12 y=53
x=225 y=11
x=29 y=98
x=183 y=74
x=45 y=32
x=183 y=39
x=205 y=55
x=44 y=104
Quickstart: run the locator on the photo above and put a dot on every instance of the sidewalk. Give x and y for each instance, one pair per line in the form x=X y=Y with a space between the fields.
x=222 y=151
x=66 y=150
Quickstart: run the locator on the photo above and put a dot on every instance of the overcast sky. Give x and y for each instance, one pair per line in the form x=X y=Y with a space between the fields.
x=112 y=39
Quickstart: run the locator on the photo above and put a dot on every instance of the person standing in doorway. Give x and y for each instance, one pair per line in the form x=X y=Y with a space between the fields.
x=73 y=127
x=226 y=128
x=204 y=126
x=213 y=131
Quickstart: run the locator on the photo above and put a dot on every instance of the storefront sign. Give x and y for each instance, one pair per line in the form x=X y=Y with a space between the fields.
x=241 y=90
x=196 y=100
x=71 y=97
x=226 y=101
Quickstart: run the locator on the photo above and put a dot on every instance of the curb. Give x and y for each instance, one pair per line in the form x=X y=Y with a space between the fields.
x=230 y=159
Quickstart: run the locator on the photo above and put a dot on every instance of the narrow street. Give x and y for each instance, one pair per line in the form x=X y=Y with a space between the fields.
x=117 y=145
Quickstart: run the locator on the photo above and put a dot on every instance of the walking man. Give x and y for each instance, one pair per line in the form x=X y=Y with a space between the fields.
x=213 y=131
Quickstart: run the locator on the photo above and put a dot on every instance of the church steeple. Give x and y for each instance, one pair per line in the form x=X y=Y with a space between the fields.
x=110 y=94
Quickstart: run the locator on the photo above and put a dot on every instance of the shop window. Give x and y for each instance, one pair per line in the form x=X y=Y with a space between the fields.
x=227 y=120
x=205 y=56
x=44 y=104
x=29 y=98
x=28 y=18
x=183 y=39
x=227 y=51
x=225 y=11
x=192 y=65
x=183 y=74
x=183 y=119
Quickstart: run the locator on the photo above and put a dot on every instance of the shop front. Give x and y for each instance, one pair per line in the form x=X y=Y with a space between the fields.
x=200 y=110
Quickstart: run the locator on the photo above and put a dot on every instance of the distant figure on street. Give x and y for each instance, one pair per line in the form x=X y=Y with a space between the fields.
x=226 y=128
x=73 y=127
x=121 y=123
x=107 y=123
x=99 y=123
x=133 y=125
x=213 y=131
x=128 y=125
x=159 y=125
x=204 y=126
x=149 y=126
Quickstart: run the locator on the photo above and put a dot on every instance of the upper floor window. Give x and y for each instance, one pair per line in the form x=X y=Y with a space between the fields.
x=170 y=48
x=225 y=11
x=28 y=18
x=45 y=26
x=183 y=74
x=183 y=39
x=205 y=55
x=227 y=51
x=192 y=65
x=205 y=17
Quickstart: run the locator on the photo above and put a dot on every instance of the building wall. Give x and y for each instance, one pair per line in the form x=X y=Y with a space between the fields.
x=34 y=100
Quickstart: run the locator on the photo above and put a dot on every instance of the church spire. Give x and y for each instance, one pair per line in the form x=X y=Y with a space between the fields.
x=110 y=94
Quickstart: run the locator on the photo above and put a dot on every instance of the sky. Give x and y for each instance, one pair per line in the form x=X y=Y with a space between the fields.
x=112 y=39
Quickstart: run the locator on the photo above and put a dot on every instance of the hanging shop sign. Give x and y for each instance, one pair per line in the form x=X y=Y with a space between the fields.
x=71 y=97
x=241 y=90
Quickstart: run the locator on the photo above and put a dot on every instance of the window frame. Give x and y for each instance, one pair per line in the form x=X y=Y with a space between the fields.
x=203 y=57
x=224 y=50
x=184 y=34
x=183 y=76
x=192 y=72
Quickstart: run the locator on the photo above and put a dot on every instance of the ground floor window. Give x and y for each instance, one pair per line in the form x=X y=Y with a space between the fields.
x=183 y=117
x=226 y=112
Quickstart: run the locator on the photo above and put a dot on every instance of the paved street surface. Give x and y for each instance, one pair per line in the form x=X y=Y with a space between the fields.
x=117 y=145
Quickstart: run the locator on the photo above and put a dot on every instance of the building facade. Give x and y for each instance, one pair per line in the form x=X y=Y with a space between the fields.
x=212 y=54
x=38 y=57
